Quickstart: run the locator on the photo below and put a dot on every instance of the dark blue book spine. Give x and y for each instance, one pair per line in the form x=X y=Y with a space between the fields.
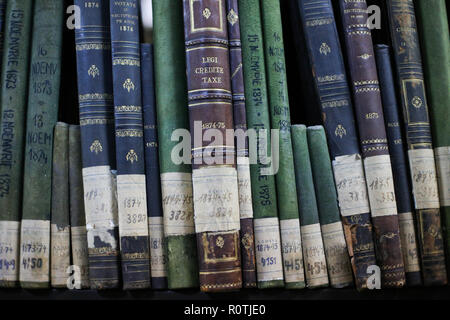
x=154 y=204
x=95 y=92
x=331 y=85
x=399 y=166
x=130 y=158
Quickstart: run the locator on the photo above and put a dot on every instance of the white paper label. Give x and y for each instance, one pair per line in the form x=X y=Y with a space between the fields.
x=178 y=208
x=424 y=182
x=9 y=250
x=314 y=255
x=60 y=254
x=80 y=253
x=216 y=199
x=380 y=186
x=35 y=251
x=408 y=242
x=269 y=266
x=245 y=188
x=132 y=205
x=100 y=204
x=351 y=185
x=338 y=261
x=442 y=155
x=158 y=258
x=292 y=250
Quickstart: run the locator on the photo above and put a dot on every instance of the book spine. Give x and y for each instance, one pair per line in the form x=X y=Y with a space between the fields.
x=172 y=114
x=131 y=186
x=399 y=167
x=60 y=220
x=338 y=262
x=14 y=82
x=243 y=163
x=373 y=140
x=158 y=258
x=214 y=174
x=269 y=265
x=95 y=97
x=436 y=50
x=312 y=243
x=418 y=136
x=281 y=120
x=77 y=216
x=337 y=114
x=2 y=28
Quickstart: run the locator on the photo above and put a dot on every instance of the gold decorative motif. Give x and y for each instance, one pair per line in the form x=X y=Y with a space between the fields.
x=220 y=242
x=128 y=85
x=206 y=13
x=132 y=156
x=325 y=49
x=96 y=147
x=340 y=131
x=417 y=102
x=93 y=71
x=365 y=56
x=232 y=17
x=247 y=241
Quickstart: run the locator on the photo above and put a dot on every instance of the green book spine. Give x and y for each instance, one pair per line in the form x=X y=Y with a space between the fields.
x=313 y=247
x=77 y=215
x=43 y=103
x=60 y=220
x=269 y=266
x=14 y=82
x=172 y=111
x=338 y=261
x=436 y=51
x=280 y=120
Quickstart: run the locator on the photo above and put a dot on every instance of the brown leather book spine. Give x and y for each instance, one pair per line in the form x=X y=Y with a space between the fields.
x=214 y=175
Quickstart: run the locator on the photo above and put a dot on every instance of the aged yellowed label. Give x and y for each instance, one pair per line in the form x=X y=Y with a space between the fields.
x=408 y=242
x=424 y=182
x=132 y=205
x=245 y=188
x=60 y=255
x=351 y=185
x=80 y=253
x=9 y=250
x=442 y=155
x=158 y=258
x=314 y=256
x=269 y=266
x=338 y=261
x=292 y=250
x=216 y=199
x=178 y=207
x=380 y=186
x=35 y=251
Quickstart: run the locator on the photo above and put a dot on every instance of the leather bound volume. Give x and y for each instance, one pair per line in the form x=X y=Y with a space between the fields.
x=269 y=264
x=373 y=140
x=402 y=185
x=214 y=175
x=422 y=166
x=330 y=82
x=158 y=257
x=435 y=40
x=338 y=262
x=294 y=276
x=172 y=114
x=243 y=165
x=96 y=107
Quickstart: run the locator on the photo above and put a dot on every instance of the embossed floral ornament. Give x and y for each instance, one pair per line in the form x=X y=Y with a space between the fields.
x=220 y=242
x=93 y=71
x=128 y=85
x=340 y=131
x=232 y=17
x=325 y=49
x=417 y=102
x=247 y=241
x=132 y=156
x=96 y=147
x=206 y=13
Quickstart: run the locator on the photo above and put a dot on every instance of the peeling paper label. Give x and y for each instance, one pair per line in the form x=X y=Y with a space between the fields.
x=380 y=186
x=132 y=205
x=351 y=185
x=314 y=255
x=245 y=188
x=158 y=258
x=9 y=250
x=408 y=242
x=216 y=200
x=35 y=251
x=60 y=254
x=292 y=250
x=442 y=155
x=80 y=252
x=424 y=182
x=269 y=266
x=178 y=207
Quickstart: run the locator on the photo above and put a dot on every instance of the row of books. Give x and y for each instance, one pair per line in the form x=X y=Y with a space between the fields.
x=111 y=201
